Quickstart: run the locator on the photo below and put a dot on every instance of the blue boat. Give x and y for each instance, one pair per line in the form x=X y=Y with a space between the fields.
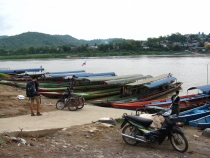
x=82 y=75
x=202 y=123
x=205 y=88
x=63 y=72
x=195 y=113
x=70 y=75
x=94 y=74
x=19 y=71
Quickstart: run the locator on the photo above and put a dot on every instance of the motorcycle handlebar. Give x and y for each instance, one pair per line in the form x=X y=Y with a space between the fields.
x=124 y=115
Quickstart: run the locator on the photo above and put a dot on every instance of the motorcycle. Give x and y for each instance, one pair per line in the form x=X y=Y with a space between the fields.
x=137 y=129
x=73 y=103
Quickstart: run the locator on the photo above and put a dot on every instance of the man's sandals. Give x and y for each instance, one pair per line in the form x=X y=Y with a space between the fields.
x=38 y=114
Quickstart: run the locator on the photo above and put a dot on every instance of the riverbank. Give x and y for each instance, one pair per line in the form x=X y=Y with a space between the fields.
x=100 y=55
x=87 y=139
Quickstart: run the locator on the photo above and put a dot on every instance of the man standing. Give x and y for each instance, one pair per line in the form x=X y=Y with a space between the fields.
x=70 y=89
x=34 y=79
x=175 y=103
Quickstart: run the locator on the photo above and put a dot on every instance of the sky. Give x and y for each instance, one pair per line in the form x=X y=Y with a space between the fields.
x=103 y=19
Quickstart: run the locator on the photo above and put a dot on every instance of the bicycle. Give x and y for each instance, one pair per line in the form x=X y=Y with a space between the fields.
x=73 y=103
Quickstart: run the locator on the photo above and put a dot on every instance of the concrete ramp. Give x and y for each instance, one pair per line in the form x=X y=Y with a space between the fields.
x=58 y=119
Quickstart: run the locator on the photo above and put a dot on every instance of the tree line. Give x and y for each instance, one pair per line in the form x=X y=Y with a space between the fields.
x=173 y=43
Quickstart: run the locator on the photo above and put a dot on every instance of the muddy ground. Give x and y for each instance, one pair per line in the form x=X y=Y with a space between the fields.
x=89 y=140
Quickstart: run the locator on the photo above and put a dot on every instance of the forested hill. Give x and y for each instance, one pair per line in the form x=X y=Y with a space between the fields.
x=35 y=39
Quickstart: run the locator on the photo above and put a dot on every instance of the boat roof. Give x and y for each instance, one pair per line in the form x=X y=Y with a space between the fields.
x=22 y=70
x=106 y=78
x=204 y=88
x=160 y=82
x=68 y=74
x=94 y=74
x=148 y=80
x=126 y=80
x=63 y=72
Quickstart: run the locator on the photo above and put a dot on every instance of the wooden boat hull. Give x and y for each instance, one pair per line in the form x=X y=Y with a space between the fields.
x=61 y=88
x=51 y=94
x=115 y=100
x=201 y=123
x=194 y=113
x=8 y=83
x=155 y=109
x=86 y=95
x=134 y=103
x=186 y=102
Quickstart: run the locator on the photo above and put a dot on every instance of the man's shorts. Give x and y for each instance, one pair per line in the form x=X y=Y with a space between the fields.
x=35 y=98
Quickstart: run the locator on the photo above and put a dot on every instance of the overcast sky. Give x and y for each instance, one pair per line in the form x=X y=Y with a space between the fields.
x=102 y=19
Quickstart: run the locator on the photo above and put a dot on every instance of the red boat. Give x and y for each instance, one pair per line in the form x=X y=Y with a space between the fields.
x=186 y=101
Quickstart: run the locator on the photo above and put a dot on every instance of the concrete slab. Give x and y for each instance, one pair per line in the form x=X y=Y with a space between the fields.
x=59 y=119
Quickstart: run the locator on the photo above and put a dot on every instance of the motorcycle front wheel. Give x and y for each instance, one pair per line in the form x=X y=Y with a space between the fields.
x=60 y=104
x=179 y=142
x=130 y=130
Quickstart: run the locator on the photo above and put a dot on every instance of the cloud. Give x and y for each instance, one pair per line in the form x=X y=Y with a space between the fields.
x=94 y=19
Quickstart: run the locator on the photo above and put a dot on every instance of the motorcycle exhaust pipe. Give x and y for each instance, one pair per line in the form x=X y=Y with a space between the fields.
x=125 y=135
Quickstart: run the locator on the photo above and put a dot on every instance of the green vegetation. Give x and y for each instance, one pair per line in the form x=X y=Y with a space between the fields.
x=34 y=45
x=1 y=140
x=39 y=40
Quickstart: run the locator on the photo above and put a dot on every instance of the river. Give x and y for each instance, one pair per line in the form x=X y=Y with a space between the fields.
x=191 y=70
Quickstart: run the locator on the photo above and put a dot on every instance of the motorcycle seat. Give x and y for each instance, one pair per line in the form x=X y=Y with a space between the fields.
x=143 y=121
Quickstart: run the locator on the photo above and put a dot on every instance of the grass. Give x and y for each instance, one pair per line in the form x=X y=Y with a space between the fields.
x=1 y=140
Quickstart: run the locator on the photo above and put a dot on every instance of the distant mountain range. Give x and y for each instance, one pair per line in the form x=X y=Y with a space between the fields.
x=35 y=39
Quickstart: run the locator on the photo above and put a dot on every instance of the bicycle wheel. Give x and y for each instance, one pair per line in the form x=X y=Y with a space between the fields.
x=179 y=142
x=130 y=130
x=72 y=106
x=60 y=104
x=80 y=103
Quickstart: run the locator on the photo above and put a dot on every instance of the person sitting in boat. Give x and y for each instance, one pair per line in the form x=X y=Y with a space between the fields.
x=128 y=92
x=70 y=90
x=122 y=91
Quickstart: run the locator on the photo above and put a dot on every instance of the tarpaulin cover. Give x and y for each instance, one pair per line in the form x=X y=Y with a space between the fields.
x=160 y=82
x=204 y=88
x=148 y=80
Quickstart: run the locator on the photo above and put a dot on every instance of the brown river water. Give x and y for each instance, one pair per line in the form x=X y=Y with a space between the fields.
x=191 y=70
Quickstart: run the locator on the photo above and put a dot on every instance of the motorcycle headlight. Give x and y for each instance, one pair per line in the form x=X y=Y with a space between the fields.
x=167 y=112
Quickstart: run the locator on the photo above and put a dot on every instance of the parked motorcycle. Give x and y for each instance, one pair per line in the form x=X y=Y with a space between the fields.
x=73 y=103
x=138 y=129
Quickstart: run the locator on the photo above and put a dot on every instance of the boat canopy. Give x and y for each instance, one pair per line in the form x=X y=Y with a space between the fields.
x=106 y=78
x=63 y=72
x=126 y=80
x=22 y=70
x=68 y=74
x=148 y=80
x=160 y=82
x=204 y=88
x=94 y=74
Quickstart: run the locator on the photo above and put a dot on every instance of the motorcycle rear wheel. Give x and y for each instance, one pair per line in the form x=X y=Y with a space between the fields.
x=131 y=131
x=179 y=142
x=60 y=104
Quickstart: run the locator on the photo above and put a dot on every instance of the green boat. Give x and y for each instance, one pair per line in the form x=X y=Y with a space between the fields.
x=79 y=88
x=86 y=95
x=140 y=90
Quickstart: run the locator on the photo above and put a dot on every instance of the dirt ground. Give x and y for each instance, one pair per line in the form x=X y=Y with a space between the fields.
x=89 y=140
